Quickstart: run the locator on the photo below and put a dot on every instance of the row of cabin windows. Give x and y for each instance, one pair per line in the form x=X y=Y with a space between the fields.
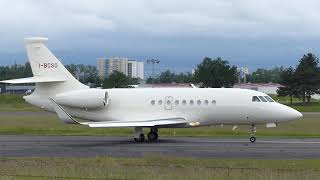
x=184 y=102
x=262 y=99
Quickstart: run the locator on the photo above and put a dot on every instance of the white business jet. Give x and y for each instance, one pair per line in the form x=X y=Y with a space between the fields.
x=74 y=103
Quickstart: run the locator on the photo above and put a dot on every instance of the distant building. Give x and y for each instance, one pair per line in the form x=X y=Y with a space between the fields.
x=268 y=88
x=131 y=68
x=135 y=69
x=10 y=89
x=101 y=66
x=242 y=74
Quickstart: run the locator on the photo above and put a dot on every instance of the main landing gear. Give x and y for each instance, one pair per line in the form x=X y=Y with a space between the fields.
x=253 y=133
x=153 y=134
x=139 y=135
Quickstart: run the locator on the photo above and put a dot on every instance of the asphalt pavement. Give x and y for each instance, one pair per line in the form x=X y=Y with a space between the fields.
x=197 y=147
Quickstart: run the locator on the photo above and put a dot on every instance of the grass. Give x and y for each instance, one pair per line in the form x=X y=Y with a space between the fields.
x=49 y=124
x=150 y=167
x=11 y=102
x=156 y=167
x=313 y=106
x=308 y=107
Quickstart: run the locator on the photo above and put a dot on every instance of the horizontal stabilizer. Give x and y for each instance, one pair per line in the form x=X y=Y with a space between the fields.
x=149 y=123
x=35 y=79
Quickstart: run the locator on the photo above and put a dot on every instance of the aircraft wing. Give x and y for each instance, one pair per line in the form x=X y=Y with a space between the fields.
x=147 y=123
x=35 y=79
x=68 y=119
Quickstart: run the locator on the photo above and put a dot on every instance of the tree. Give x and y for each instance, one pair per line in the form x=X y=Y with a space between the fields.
x=119 y=80
x=266 y=75
x=85 y=73
x=287 y=79
x=170 y=77
x=307 y=76
x=167 y=77
x=215 y=73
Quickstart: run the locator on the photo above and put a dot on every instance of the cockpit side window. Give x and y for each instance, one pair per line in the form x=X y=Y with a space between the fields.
x=255 y=99
x=269 y=98
x=263 y=99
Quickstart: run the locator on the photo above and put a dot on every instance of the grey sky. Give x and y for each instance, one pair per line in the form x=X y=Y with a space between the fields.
x=260 y=33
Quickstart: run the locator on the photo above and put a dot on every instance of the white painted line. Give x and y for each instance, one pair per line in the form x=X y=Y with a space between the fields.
x=272 y=142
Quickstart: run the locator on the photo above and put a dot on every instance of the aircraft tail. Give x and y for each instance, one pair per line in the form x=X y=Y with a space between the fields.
x=49 y=74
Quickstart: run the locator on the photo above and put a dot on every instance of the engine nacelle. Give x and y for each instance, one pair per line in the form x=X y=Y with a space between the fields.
x=86 y=98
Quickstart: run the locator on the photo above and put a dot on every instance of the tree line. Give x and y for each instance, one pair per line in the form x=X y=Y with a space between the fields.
x=209 y=73
x=302 y=81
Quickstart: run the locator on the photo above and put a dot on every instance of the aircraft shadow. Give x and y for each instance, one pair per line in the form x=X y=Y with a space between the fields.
x=107 y=143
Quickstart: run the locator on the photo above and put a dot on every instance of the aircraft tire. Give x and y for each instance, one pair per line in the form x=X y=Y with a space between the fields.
x=252 y=139
x=140 y=139
x=152 y=136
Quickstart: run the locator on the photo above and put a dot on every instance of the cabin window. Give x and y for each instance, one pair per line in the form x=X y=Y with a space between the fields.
x=168 y=102
x=184 y=102
x=255 y=99
x=206 y=102
x=213 y=102
x=269 y=98
x=263 y=99
x=177 y=102
x=198 y=102
x=191 y=102
x=153 y=102
x=160 y=102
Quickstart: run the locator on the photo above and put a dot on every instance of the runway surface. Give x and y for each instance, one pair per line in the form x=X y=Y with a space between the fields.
x=91 y=146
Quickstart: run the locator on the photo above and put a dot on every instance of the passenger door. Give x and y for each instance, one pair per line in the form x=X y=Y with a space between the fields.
x=168 y=103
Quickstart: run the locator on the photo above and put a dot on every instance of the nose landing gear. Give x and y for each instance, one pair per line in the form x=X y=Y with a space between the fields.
x=253 y=133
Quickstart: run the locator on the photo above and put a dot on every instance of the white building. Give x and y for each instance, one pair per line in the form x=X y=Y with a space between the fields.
x=135 y=69
x=268 y=88
x=131 y=68
x=101 y=66
x=140 y=70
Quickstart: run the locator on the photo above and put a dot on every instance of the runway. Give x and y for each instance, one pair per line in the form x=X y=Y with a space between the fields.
x=197 y=147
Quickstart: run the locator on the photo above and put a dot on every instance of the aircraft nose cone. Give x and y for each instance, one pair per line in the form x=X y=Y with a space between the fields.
x=297 y=114
x=294 y=114
x=286 y=113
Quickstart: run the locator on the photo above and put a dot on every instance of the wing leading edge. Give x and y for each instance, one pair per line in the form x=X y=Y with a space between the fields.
x=34 y=79
x=147 y=123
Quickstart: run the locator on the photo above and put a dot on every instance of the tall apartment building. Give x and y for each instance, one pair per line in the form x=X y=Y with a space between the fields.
x=128 y=67
x=101 y=66
x=135 y=69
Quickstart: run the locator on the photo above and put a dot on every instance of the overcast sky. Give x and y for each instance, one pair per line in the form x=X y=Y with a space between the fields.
x=248 y=33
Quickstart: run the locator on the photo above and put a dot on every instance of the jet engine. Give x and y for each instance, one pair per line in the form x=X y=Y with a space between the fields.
x=86 y=98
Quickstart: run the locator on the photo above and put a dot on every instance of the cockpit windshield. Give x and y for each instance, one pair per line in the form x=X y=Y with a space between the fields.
x=269 y=98
x=262 y=99
x=255 y=99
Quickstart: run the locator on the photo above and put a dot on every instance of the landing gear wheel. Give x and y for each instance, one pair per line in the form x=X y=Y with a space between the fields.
x=152 y=136
x=252 y=139
x=253 y=133
x=140 y=139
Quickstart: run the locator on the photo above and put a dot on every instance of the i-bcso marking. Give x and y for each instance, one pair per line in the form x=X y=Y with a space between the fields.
x=48 y=65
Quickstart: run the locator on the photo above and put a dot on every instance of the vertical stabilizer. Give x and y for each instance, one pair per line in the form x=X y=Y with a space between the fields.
x=46 y=66
x=42 y=61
